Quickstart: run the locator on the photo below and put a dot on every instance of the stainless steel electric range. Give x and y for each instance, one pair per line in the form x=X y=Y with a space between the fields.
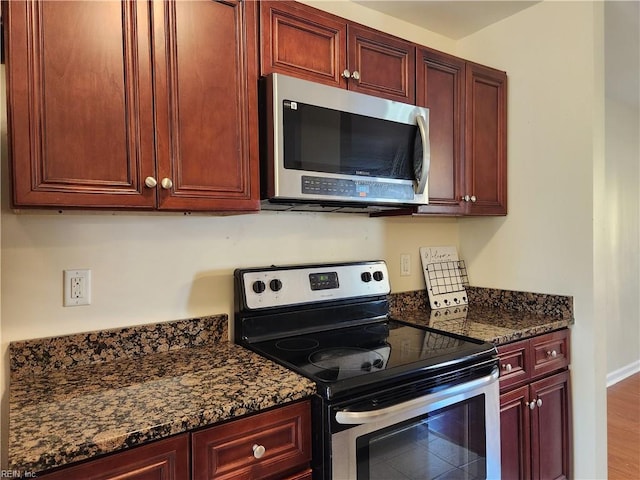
x=394 y=401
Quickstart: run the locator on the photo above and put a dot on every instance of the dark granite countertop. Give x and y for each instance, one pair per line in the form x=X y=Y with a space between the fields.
x=496 y=316
x=491 y=325
x=59 y=415
x=82 y=395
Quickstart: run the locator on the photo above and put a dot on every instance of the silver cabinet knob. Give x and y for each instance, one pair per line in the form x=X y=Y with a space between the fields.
x=346 y=73
x=150 y=182
x=473 y=198
x=166 y=183
x=466 y=198
x=532 y=405
x=552 y=354
x=356 y=76
x=539 y=402
x=258 y=451
x=507 y=367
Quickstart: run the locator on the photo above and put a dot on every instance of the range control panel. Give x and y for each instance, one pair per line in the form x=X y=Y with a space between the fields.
x=292 y=285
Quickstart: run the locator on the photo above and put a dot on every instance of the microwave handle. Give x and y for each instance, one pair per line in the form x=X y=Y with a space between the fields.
x=423 y=127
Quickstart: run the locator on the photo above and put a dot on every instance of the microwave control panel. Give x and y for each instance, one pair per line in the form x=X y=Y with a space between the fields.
x=364 y=189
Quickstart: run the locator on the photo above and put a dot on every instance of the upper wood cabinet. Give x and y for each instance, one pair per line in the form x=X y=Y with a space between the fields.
x=80 y=105
x=133 y=104
x=205 y=87
x=304 y=42
x=467 y=121
x=485 y=151
x=440 y=86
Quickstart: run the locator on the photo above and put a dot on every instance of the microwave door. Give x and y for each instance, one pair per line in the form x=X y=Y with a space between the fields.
x=422 y=154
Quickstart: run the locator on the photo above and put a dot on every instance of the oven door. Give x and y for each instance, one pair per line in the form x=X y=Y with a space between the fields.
x=453 y=433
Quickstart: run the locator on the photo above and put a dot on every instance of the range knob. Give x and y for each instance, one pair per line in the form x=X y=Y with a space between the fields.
x=378 y=276
x=258 y=286
x=275 y=285
x=366 y=277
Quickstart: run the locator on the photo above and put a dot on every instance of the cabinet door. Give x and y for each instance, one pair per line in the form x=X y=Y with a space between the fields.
x=206 y=99
x=381 y=65
x=302 y=42
x=163 y=460
x=551 y=427
x=515 y=434
x=440 y=86
x=80 y=103
x=486 y=141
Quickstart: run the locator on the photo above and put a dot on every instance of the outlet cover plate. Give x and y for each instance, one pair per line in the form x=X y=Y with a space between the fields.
x=77 y=287
x=405 y=265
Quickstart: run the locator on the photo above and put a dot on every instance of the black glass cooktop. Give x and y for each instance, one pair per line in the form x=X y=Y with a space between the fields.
x=348 y=358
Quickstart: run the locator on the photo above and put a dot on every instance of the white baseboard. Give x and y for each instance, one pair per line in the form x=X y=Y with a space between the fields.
x=622 y=373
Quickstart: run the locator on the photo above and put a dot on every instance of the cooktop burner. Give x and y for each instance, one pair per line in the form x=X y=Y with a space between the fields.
x=297 y=344
x=385 y=349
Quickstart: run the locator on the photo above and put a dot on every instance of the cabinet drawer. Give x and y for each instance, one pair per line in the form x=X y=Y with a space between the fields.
x=166 y=459
x=227 y=451
x=514 y=363
x=550 y=352
x=303 y=475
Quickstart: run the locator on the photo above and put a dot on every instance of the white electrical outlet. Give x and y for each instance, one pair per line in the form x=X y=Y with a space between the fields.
x=405 y=265
x=77 y=287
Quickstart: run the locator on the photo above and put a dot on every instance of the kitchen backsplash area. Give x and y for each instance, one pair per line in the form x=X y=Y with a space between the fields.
x=38 y=356
x=558 y=306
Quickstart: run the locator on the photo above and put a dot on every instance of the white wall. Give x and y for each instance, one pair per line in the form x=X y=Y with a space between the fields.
x=371 y=18
x=552 y=52
x=621 y=238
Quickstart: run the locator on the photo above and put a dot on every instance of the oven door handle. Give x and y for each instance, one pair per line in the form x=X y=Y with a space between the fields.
x=346 y=417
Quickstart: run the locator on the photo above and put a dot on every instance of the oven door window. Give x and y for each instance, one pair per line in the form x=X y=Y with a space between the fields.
x=449 y=443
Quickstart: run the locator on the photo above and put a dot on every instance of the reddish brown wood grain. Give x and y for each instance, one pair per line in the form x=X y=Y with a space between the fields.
x=307 y=43
x=486 y=140
x=162 y=460
x=225 y=451
x=535 y=405
x=440 y=87
x=103 y=95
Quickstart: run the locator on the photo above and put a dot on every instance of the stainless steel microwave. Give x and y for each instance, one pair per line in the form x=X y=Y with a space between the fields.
x=325 y=148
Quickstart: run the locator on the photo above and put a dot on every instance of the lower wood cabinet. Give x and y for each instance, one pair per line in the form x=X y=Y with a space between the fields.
x=162 y=460
x=535 y=408
x=275 y=444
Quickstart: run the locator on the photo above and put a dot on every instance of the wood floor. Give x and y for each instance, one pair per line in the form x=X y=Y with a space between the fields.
x=623 y=425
